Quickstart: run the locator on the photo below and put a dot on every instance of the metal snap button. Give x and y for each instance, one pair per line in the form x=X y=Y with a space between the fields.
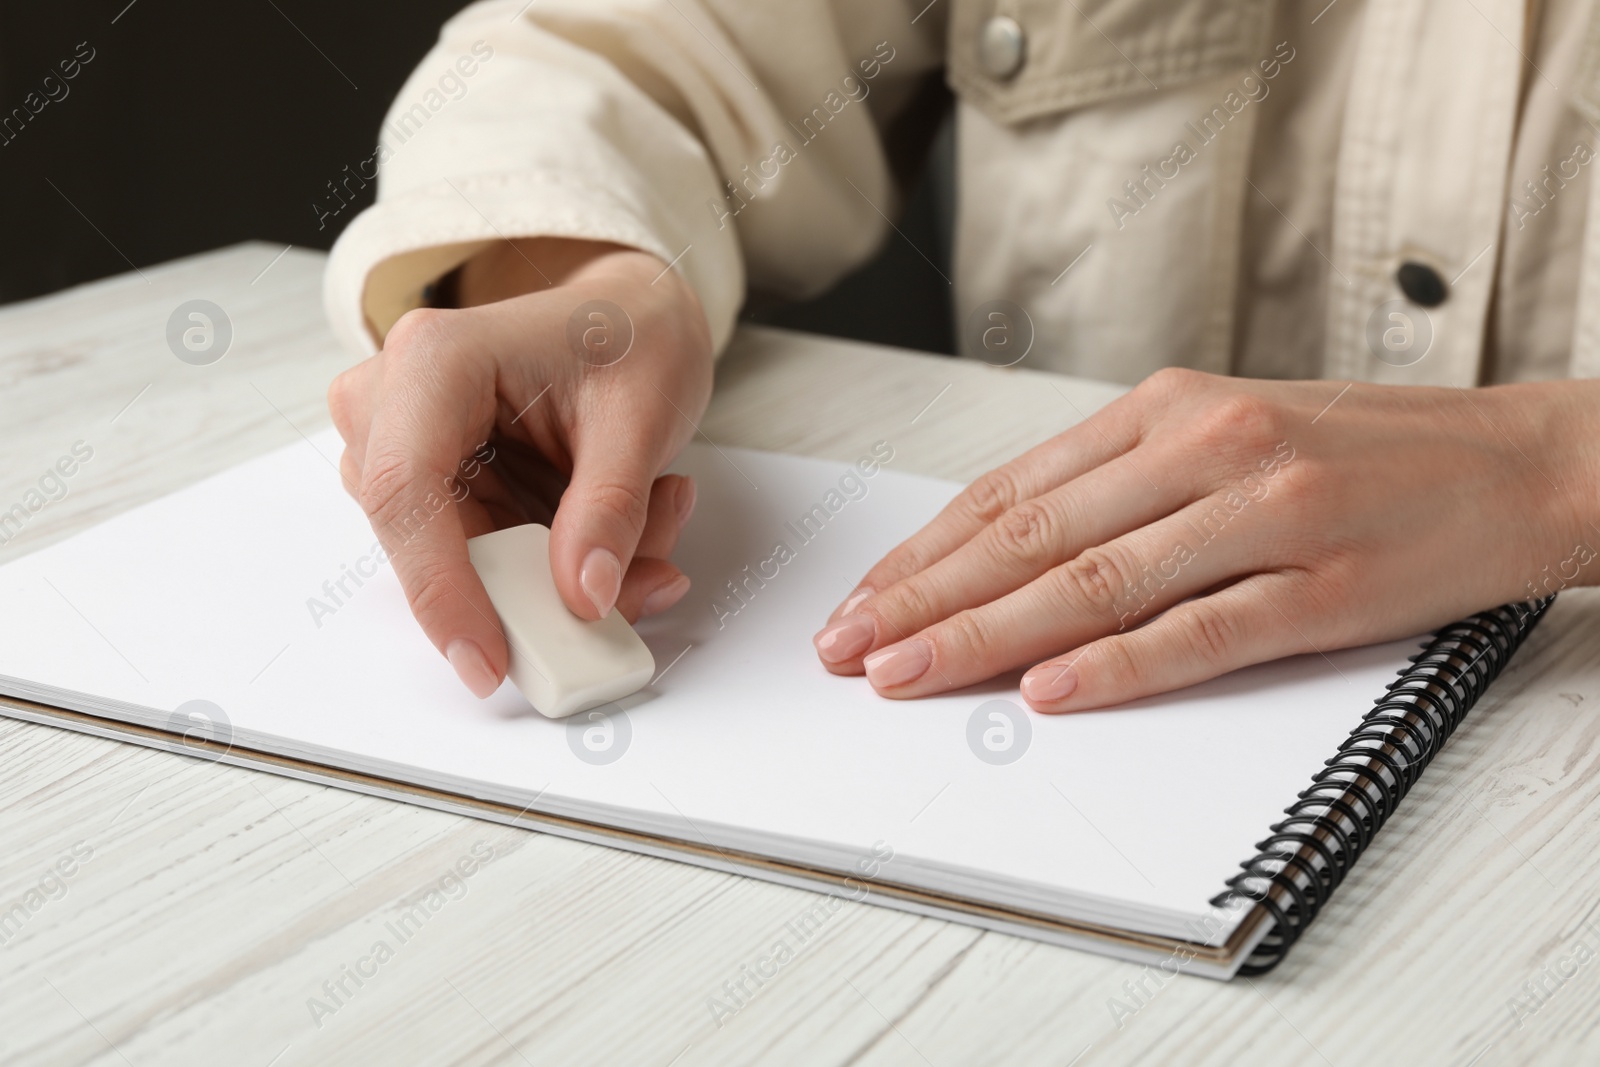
x=1001 y=47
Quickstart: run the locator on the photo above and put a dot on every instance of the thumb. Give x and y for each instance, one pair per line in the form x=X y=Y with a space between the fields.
x=599 y=521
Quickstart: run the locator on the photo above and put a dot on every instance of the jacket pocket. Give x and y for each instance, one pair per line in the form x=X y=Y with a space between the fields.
x=1020 y=59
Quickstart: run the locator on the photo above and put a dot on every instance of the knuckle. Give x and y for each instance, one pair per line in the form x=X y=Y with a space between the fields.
x=1318 y=599
x=1097 y=578
x=907 y=558
x=987 y=498
x=1300 y=481
x=1024 y=530
x=341 y=402
x=964 y=636
x=1171 y=383
x=419 y=328
x=350 y=474
x=906 y=603
x=1213 y=635
x=1241 y=424
x=627 y=504
x=427 y=592
x=1113 y=665
x=386 y=488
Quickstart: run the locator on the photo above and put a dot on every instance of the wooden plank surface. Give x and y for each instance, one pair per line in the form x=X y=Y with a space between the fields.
x=173 y=910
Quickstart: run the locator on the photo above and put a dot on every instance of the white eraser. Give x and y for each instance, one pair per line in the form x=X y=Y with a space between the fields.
x=561 y=663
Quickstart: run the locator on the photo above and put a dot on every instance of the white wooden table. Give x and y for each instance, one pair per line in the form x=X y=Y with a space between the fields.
x=207 y=905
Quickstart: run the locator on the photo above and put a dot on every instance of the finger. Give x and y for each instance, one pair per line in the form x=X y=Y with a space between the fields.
x=437 y=407
x=1026 y=541
x=1100 y=439
x=601 y=517
x=1249 y=622
x=1103 y=590
x=350 y=401
x=672 y=499
x=350 y=473
x=532 y=478
x=422 y=530
x=500 y=506
x=652 y=585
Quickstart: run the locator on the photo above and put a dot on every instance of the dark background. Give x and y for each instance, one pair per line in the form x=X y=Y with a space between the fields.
x=198 y=125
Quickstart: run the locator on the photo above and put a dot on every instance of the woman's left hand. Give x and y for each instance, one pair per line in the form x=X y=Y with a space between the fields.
x=1200 y=524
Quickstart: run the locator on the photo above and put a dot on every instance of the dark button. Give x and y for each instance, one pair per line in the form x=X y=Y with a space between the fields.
x=1421 y=284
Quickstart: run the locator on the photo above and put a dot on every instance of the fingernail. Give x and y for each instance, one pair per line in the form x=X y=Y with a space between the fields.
x=601 y=578
x=663 y=597
x=685 y=500
x=899 y=664
x=1049 y=683
x=855 y=600
x=472 y=667
x=845 y=639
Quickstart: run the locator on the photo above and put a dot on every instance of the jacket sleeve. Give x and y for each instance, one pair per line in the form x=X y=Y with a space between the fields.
x=731 y=138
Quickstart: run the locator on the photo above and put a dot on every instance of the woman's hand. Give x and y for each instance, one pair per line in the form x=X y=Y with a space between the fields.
x=569 y=373
x=1200 y=524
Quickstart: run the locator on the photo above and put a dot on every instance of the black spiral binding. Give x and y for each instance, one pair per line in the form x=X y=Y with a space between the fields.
x=1308 y=854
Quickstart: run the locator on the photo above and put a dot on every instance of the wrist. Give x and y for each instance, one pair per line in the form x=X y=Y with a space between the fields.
x=1556 y=427
x=524 y=265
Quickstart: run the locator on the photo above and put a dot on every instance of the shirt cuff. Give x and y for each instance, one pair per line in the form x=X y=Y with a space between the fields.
x=392 y=251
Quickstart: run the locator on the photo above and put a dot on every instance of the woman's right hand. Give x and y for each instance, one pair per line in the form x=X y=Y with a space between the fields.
x=568 y=377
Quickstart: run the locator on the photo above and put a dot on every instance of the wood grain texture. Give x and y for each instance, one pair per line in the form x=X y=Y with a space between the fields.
x=207 y=906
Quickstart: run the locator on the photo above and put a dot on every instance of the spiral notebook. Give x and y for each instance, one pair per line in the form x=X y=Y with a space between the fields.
x=248 y=619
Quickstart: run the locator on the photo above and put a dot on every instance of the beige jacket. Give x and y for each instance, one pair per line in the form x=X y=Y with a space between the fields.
x=1230 y=185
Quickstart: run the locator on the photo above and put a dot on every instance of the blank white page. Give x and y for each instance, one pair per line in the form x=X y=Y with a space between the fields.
x=1132 y=817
